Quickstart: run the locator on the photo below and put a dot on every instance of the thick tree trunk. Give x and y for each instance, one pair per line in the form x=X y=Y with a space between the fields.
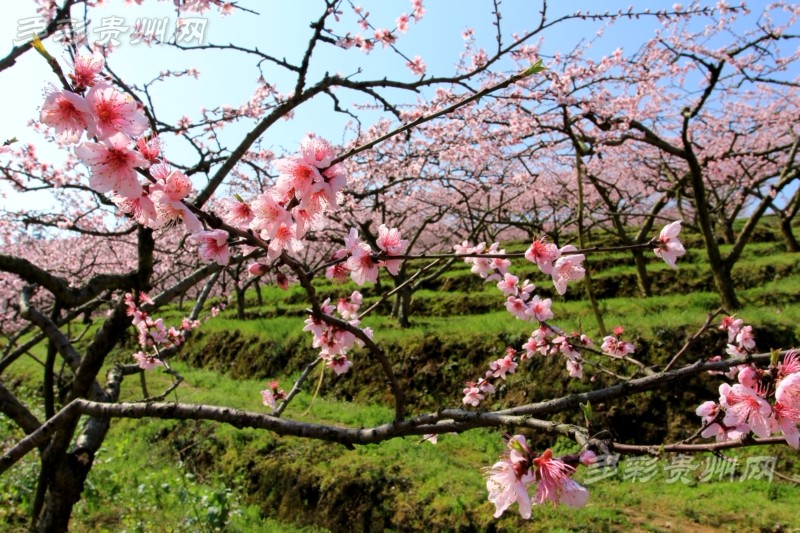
x=402 y=308
x=259 y=297
x=720 y=268
x=727 y=231
x=587 y=280
x=786 y=216
x=788 y=236
x=64 y=469
x=240 y=303
x=642 y=279
x=724 y=284
x=64 y=491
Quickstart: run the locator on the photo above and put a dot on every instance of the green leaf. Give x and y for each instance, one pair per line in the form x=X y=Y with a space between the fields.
x=773 y=357
x=534 y=69
x=37 y=45
x=587 y=411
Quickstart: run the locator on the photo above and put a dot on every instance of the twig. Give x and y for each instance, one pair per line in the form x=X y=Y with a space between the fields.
x=394 y=291
x=685 y=347
x=296 y=387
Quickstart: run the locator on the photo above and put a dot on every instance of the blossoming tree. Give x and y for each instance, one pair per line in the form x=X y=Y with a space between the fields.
x=120 y=186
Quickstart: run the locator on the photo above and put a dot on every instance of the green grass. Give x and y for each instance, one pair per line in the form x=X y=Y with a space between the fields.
x=189 y=476
x=441 y=485
x=146 y=475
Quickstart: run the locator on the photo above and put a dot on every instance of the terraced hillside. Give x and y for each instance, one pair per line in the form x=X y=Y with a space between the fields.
x=191 y=474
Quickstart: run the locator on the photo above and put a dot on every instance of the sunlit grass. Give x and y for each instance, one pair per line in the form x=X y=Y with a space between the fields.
x=190 y=475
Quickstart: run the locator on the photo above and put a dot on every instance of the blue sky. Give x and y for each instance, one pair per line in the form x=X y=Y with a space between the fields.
x=282 y=29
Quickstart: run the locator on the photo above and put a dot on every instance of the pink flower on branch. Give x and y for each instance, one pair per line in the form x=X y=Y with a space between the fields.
x=743 y=405
x=732 y=325
x=237 y=212
x=271 y=395
x=150 y=148
x=615 y=347
x=501 y=367
x=168 y=193
x=68 y=113
x=284 y=238
x=509 y=284
x=348 y=307
x=296 y=177
x=544 y=254
x=788 y=390
x=472 y=395
x=555 y=483
x=790 y=364
x=669 y=247
x=141 y=209
x=147 y=361
x=507 y=486
x=87 y=67
x=213 y=246
x=257 y=269
x=567 y=268
x=177 y=185
x=317 y=151
x=540 y=309
x=113 y=165
x=339 y=364
x=390 y=241
x=787 y=418
x=268 y=215
x=114 y=112
x=517 y=307
x=510 y=478
x=417 y=66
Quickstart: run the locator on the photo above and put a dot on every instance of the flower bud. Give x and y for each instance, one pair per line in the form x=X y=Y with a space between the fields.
x=257 y=269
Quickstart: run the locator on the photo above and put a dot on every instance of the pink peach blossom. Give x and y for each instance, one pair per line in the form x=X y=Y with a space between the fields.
x=508 y=284
x=257 y=269
x=141 y=209
x=114 y=112
x=68 y=113
x=500 y=367
x=150 y=148
x=339 y=364
x=567 y=268
x=146 y=361
x=472 y=395
x=787 y=418
x=363 y=267
x=417 y=66
x=213 y=246
x=317 y=151
x=236 y=212
x=390 y=241
x=790 y=364
x=506 y=485
x=555 y=483
x=87 y=67
x=744 y=406
x=669 y=247
x=113 y=165
x=544 y=254
x=788 y=391
x=540 y=309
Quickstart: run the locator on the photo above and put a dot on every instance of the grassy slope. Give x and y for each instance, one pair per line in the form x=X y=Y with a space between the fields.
x=156 y=476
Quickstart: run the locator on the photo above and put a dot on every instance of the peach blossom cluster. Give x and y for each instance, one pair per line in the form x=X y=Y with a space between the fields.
x=761 y=401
